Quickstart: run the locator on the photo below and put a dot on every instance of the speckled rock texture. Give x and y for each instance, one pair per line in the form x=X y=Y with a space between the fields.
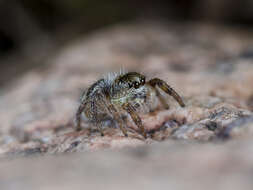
x=206 y=145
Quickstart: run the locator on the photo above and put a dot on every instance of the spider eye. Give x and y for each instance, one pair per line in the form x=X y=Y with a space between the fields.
x=142 y=81
x=136 y=84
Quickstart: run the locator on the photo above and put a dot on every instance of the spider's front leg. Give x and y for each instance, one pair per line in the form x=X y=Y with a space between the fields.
x=117 y=117
x=135 y=117
x=161 y=98
x=167 y=89
x=114 y=112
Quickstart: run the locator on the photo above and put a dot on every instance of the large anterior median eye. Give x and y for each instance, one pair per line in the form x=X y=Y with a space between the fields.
x=142 y=81
x=136 y=84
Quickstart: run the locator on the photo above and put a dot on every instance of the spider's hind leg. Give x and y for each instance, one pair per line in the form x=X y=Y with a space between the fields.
x=78 y=116
x=96 y=119
x=167 y=89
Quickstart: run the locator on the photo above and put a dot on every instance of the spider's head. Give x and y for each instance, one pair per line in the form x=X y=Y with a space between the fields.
x=133 y=80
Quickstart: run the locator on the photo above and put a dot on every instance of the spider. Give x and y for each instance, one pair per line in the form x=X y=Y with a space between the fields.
x=117 y=94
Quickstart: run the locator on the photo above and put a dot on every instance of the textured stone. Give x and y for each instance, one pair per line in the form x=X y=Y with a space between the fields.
x=206 y=65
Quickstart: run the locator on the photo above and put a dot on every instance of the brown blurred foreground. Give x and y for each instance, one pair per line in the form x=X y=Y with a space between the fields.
x=206 y=145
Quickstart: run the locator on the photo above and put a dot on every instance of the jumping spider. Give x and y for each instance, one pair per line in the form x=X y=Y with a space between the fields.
x=117 y=94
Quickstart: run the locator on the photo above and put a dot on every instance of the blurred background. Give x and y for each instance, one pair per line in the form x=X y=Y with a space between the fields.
x=203 y=48
x=31 y=31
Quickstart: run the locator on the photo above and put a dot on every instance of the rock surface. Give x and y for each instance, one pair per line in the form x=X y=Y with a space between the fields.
x=211 y=67
x=168 y=165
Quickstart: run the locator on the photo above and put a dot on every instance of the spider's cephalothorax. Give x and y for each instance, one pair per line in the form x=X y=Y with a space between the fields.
x=116 y=94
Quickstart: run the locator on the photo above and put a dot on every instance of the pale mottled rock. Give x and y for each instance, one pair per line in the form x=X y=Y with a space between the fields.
x=205 y=64
x=211 y=74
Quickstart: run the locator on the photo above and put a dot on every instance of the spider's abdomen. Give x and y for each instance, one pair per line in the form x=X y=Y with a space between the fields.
x=95 y=99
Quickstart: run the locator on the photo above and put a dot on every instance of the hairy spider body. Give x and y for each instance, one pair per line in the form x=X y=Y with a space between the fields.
x=117 y=94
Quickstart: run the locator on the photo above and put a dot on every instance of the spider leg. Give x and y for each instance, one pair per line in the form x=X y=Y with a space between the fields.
x=117 y=117
x=167 y=89
x=99 y=125
x=135 y=117
x=95 y=118
x=161 y=98
x=114 y=112
x=78 y=116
